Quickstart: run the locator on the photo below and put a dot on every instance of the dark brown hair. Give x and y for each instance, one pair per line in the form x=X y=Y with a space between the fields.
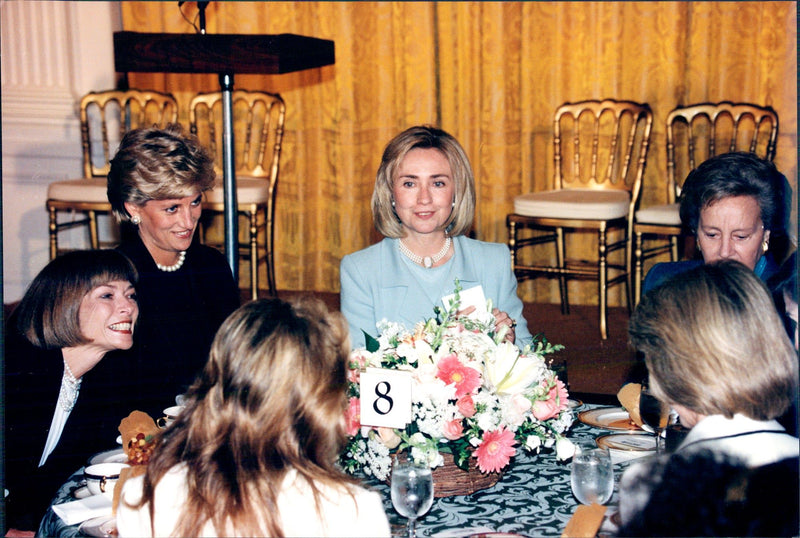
x=48 y=314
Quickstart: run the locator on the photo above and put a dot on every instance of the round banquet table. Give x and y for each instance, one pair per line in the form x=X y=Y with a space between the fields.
x=533 y=498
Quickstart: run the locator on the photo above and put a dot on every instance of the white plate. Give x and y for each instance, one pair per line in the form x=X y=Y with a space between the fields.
x=574 y=404
x=101 y=527
x=82 y=492
x=628 y=442
x=609 y=418
x=116 y=455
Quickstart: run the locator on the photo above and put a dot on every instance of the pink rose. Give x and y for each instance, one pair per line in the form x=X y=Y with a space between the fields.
x=453 y=429
x=466 y=406
x=355 y=364
x=389 y=437
x=353 y=416
x=555 y=403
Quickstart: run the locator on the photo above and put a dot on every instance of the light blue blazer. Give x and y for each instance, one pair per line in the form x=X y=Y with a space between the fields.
x=380 y=282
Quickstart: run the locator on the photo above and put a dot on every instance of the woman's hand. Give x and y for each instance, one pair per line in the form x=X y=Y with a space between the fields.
x=502 y=318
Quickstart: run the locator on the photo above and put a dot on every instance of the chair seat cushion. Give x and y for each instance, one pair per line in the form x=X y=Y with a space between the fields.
x=664 y=214
x=79 y=190
x=587 y=204
x=249 y=190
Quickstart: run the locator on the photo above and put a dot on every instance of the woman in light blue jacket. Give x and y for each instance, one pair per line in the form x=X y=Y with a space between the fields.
x=424 y=204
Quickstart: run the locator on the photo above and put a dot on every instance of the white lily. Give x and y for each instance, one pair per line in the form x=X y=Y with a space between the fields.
x=509 y=372
x=416 y=351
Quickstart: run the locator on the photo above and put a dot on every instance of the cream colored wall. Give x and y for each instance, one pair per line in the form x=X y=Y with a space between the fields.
x=53 y=52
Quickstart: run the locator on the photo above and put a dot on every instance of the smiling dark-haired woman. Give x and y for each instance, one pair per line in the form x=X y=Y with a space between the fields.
x=62 y=401
x=186 y=290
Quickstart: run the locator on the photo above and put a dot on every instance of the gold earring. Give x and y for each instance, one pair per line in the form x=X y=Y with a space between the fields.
x=765 y=245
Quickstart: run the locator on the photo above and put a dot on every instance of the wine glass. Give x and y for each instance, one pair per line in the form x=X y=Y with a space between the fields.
x=655 y=414
x=412 y=491
x=592 y=475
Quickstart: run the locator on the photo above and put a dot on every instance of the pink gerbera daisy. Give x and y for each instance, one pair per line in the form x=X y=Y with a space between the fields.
x=495 y=450
x=465 y=379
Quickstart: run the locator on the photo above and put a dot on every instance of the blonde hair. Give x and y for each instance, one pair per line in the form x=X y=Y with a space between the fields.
x=157 y=164
x=423 y=136
x=271 y=398
x=713 y=343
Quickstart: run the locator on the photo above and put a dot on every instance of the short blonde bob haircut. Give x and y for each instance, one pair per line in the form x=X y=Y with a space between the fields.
x=157 y=164
x=714 y=343
x=423 y=136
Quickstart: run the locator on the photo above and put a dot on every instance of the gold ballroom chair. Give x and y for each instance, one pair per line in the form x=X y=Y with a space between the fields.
x=696 y=133
x=600 y=151
x=105 y=117
x=258 y=119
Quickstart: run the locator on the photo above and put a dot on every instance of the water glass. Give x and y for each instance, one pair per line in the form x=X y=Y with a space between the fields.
x=592 y=475
x=412 y=491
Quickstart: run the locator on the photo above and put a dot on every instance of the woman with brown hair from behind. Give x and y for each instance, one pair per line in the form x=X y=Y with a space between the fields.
x=254 y=452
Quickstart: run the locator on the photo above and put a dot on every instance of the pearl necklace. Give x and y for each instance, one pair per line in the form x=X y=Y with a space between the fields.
x=70 y=386
x=427 y=261
x=178 y=264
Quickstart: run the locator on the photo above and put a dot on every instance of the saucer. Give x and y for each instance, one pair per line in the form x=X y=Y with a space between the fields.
x=101 y=527
x=116 y=455
x=82 y=492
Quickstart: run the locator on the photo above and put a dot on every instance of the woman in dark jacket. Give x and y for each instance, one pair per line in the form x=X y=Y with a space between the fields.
x=63 y=398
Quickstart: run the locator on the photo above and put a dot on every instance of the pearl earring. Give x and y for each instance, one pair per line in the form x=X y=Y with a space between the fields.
x=392 y=204
x=136 y=220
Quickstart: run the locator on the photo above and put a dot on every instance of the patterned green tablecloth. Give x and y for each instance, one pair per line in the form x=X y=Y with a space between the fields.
x=532 y=498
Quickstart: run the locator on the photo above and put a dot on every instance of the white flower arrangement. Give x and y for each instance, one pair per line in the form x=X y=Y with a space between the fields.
x=473 y=395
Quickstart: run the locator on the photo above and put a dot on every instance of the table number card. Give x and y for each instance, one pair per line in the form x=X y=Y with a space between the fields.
x=385 y=398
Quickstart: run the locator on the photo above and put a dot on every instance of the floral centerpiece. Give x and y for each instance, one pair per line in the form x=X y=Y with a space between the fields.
x=473 y=394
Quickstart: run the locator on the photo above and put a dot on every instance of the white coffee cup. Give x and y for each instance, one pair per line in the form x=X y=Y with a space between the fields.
x=170 y=414
x=102 y=477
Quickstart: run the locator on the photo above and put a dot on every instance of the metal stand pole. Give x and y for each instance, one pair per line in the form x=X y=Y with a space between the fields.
x=229 y=177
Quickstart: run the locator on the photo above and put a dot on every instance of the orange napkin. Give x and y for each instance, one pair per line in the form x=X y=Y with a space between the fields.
x=629 y=396
x=585 y=522
x=138 y=422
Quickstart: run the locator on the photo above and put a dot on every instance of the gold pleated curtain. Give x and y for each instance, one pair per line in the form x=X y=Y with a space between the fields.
x=492 y=74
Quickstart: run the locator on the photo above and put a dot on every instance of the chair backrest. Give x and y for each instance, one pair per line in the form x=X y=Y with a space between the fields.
x=258 y=119
x=698 y=132
x=602 y=145
x=107 y=115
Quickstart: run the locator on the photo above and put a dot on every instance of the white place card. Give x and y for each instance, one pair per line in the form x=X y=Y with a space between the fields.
x=471 y=297
x=385 y=398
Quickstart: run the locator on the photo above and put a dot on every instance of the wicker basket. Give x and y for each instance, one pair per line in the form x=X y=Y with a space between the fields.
x=449 y=479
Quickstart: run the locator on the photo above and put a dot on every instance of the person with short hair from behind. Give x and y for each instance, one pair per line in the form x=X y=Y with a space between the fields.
x=254 y=453
x=717 y=353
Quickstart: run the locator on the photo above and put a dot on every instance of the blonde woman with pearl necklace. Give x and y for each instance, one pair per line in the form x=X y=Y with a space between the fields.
x=186 y=290
x=424 y=204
